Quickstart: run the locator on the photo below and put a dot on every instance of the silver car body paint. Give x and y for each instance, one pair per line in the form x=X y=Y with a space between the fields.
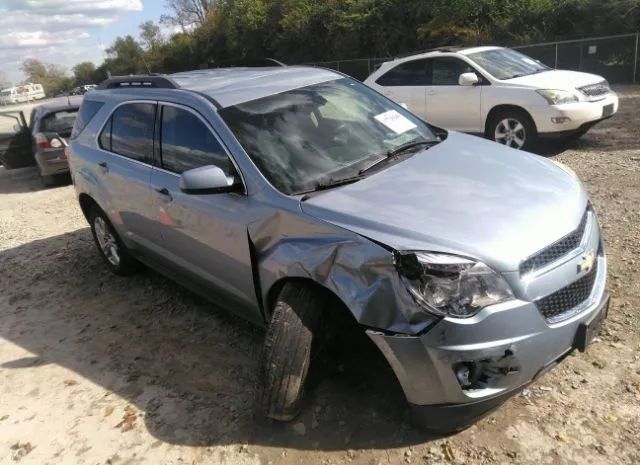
x=465 y=196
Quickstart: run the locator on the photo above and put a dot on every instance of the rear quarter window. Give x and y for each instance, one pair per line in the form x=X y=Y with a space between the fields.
x=87 y=111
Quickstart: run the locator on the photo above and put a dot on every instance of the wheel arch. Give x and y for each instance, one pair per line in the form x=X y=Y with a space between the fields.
x=86 y=203
x=505 y=107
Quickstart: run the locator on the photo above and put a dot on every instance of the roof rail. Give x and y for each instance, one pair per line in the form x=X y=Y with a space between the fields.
x=246 y=63
x=138 y=81
x=448 y=49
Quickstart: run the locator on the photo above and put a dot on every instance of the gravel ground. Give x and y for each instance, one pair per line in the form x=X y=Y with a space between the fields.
x=96 y=369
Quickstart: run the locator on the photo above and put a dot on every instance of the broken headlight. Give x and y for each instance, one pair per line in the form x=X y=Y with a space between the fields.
x=448 y=285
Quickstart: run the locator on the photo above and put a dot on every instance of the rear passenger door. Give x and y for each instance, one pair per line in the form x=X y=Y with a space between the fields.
x=405 y=84
x=202 y=239
x=124 y=169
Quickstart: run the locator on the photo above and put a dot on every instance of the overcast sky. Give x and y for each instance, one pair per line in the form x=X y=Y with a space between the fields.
x=66 y=32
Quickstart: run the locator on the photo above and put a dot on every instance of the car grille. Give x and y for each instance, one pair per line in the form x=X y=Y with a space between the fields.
x=556 y=250
x=596 y=90
x=557 y=305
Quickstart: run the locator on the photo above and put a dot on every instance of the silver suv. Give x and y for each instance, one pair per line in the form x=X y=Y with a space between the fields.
x=289 y=194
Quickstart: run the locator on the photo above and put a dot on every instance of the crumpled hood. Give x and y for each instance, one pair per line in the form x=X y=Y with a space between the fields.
x=557 y=79
x=467 y=196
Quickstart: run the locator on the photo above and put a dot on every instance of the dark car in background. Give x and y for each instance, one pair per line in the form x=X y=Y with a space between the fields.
x=40 y=142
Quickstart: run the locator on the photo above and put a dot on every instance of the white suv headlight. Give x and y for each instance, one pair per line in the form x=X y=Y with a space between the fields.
x=557 y=97
x=448 y=285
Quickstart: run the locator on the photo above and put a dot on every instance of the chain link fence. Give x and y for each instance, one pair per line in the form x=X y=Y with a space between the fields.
x=613 y=57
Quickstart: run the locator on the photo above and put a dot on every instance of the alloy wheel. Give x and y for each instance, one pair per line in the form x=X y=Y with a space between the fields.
x=511 y=132
x=106 y=241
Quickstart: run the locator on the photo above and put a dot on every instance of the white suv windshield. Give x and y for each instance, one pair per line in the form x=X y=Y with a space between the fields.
x=504 y=63
x=320 y=133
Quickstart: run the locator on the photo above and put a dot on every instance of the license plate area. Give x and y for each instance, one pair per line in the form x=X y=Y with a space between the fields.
x=589 y=330
x=607 y=110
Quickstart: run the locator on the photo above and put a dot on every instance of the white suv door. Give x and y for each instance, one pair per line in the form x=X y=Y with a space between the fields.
x=448 y=104
x=405 y=84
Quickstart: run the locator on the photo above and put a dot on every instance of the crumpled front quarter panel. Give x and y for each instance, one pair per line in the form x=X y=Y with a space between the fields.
x=358 y=271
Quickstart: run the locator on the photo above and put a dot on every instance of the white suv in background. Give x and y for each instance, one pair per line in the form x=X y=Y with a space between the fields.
x=498 y=92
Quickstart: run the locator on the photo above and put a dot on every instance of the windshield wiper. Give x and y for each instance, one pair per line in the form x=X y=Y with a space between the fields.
x=391 y=154
x=331 y=183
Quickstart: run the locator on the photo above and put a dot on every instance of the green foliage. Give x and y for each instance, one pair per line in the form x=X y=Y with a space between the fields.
x=299 y=31
x=84 y=73
x=53 y=78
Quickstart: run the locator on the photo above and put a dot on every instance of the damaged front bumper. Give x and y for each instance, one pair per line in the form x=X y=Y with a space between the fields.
x=459 y=370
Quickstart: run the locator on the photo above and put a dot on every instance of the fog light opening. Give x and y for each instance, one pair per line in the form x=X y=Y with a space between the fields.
x=560 y=120
x=466 y=374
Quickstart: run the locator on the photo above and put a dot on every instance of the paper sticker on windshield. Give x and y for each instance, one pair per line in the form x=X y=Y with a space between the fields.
x=396 y=122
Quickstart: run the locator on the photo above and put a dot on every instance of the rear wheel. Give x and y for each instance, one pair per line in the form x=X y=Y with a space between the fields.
x=287 y=352
x=111 y=248
x=513 y=128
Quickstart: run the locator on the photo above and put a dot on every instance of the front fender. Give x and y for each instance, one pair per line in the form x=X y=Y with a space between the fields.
x=358 y=271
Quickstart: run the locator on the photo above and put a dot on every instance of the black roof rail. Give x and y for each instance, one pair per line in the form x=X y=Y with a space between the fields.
x=246 y=63
x=448 y=49
x=145 y=81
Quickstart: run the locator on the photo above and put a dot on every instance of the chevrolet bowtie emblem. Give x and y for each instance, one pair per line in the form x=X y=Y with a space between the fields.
x=587 y=263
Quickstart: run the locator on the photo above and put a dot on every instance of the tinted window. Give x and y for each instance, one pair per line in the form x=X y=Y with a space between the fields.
x=88 y=110
x=105 y=136
x=411 y=73
x=60 y=122
x=447 y=71
x=132 y=131
x=187 y=143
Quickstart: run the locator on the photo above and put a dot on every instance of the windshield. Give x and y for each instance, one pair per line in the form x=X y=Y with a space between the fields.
x=504 y=63
x=321 y=133
x=5 y=92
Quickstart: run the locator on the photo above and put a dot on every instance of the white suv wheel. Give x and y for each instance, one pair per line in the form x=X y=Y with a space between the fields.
x=511 y=133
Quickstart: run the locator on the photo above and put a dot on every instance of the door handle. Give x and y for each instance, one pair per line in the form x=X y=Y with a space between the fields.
x=104 y=165
x=165 y=194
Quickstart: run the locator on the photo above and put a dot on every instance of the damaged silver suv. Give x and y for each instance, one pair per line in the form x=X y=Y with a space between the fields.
x=287 y=193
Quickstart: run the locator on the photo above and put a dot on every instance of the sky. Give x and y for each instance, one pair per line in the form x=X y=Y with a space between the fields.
x=66 y=32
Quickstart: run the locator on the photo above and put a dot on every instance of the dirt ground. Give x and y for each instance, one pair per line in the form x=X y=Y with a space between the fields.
x=96 y=369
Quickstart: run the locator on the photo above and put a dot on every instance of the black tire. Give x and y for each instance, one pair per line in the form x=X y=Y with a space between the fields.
x=126 y=263
x=529 y=129
x=287 y=352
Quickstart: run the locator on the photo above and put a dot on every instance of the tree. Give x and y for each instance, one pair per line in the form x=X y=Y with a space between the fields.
x=84 y=73
x=125 y=56
x=4 y=81
x=53 y=77
x=187 y=13
x=150 y=35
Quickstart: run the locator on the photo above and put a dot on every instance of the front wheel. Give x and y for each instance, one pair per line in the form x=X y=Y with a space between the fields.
x=513 y=128
x=287 y=352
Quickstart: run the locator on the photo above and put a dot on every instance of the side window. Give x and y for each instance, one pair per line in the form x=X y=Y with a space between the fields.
x=411 y=73
x=446 y=71
x=132 y=131
x=187 y=143
x=105 y=136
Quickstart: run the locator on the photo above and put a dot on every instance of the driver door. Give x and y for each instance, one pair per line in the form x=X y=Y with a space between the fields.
x=15 y=141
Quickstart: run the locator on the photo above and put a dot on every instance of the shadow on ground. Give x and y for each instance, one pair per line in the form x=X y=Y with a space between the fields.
x=24 y=180
x=188 y=366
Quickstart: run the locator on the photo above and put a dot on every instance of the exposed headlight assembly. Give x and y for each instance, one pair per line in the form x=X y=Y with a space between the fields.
x=558 y=97
x=448 y=285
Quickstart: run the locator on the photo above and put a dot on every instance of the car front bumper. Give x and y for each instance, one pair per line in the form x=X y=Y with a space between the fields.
x=52 y=162
x=512 y=344
x=574 y=116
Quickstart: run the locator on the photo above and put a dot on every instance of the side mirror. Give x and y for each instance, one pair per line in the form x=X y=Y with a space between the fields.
x=469 y=79
x=207 y=180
